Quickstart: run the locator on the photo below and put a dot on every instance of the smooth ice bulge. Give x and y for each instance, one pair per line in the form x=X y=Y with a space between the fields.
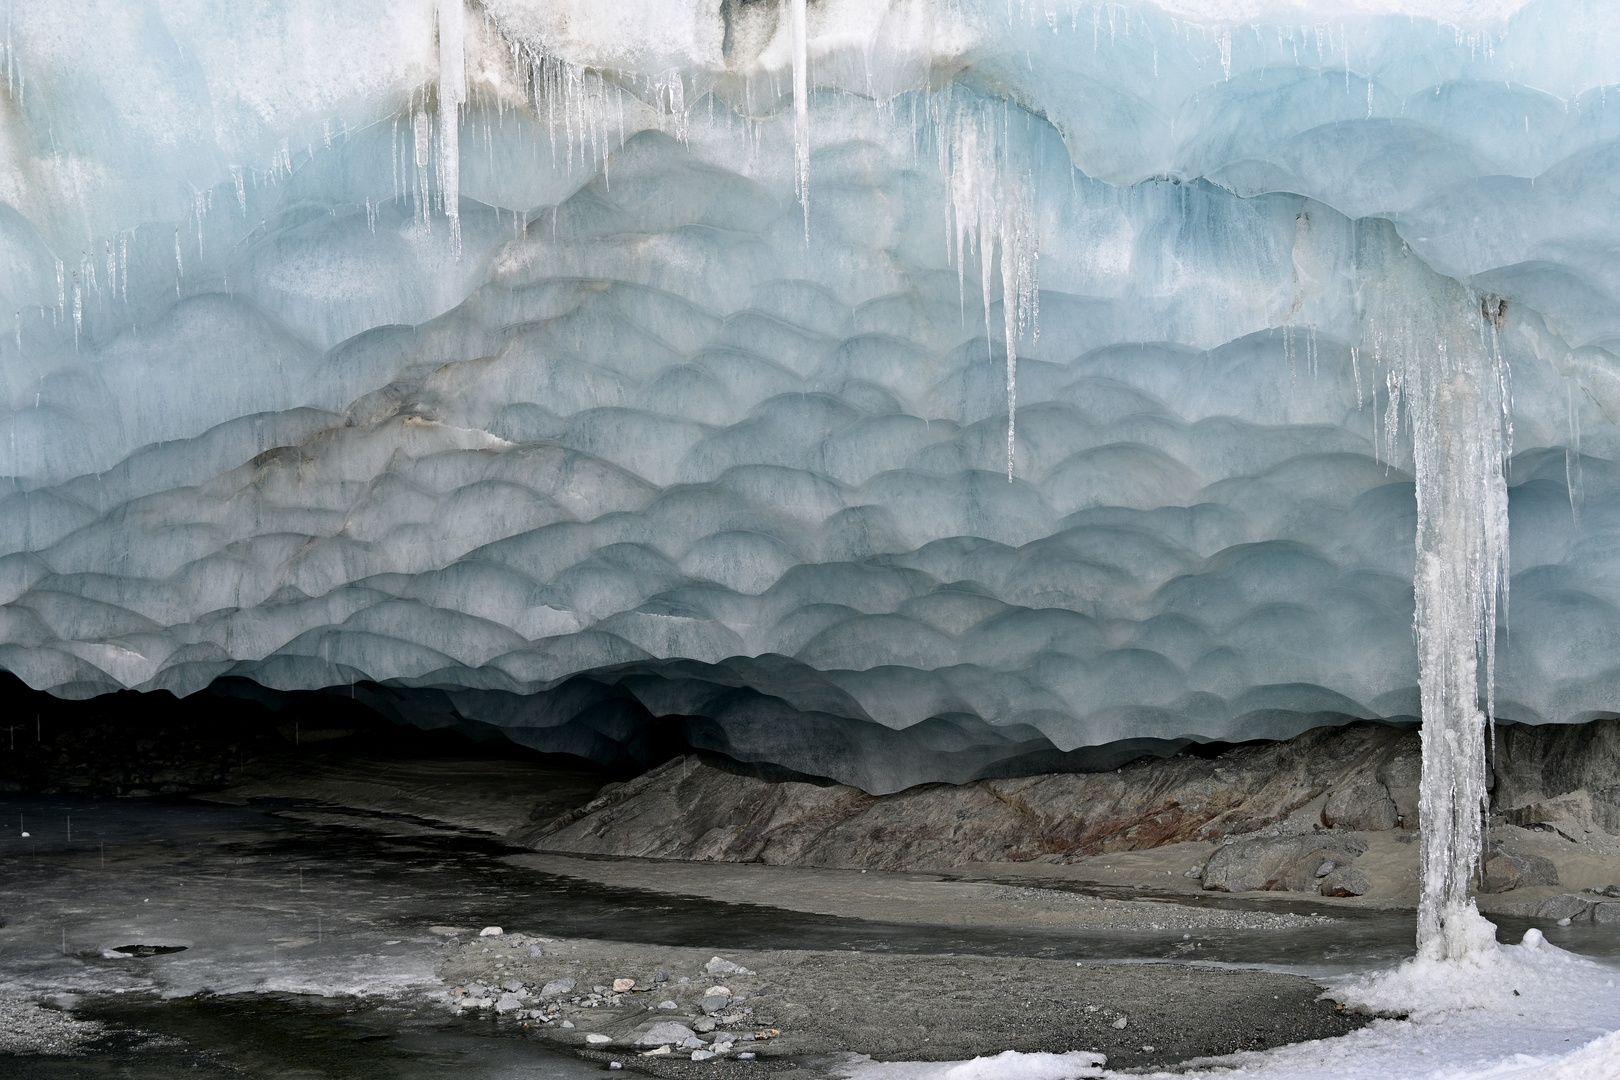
x=893 y=391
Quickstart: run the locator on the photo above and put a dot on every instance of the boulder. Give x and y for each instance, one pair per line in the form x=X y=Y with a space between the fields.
x=1501 y=872
x=1568 y=906
x=1287 y=863
x=720 y=966
x=1345 y=881
x=1364 y=806
x=665 y=1033
x=1606 y=912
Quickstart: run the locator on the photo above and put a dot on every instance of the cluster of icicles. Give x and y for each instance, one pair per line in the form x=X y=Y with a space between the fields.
x=1432 y=340
x=991 y=196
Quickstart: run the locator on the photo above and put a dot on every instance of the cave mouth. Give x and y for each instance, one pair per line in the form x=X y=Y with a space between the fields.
x=154 y=744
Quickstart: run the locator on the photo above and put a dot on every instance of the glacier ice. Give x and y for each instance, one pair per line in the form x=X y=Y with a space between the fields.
x=558 y=366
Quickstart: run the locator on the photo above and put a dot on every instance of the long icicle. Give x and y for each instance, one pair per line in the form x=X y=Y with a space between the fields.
x=801 y=109
x=452 y=93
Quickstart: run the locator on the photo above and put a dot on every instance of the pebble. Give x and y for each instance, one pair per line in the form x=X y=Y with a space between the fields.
x=508 y=1003
x=705 y=1024
x=623 y=986
x=597 y=1038
x=615 y=1064
x=1121 y=1022
x=702 y=1055
x=555 y=987
x=668 y=1005
x=1147 y=1049
x=491 y=931
x=713 y=1003
x=661 y=977
x=567 y=1024
x=747 y=1055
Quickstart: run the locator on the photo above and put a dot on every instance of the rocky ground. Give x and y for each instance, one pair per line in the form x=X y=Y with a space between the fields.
x=1332 y=813
x=28 y=1028
x=684 y=1012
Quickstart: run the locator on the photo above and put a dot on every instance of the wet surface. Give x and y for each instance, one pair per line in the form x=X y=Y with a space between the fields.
x=283 y=1037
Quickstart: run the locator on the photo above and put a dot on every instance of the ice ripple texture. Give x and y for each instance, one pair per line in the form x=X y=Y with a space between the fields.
x=626 y=443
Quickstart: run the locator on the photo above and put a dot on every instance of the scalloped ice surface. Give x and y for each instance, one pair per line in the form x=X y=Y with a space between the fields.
x=641 y=449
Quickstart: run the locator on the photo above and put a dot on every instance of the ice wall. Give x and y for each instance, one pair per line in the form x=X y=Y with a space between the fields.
x=555 y=364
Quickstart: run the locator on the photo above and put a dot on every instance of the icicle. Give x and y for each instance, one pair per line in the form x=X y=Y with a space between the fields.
x=990 y=208
x=422 y=129
x=452 y=93
x=1572 y=457
x=801 y=110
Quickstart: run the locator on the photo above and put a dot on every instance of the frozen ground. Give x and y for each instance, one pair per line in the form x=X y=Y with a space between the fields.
x=224 y=882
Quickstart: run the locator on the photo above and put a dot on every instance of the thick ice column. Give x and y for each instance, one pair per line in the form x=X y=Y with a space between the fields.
x=1438 y=346
x=452 y=93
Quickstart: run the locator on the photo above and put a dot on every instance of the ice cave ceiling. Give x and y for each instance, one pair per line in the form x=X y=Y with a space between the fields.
x=515 y=358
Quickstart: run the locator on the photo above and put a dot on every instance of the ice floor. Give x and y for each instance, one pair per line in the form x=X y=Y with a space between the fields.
x=281 y=906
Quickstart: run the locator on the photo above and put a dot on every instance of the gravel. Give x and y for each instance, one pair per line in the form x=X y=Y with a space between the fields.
x=804 y=1004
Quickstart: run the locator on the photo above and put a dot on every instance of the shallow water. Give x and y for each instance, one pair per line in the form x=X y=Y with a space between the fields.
x=277 y=907
x=287 y=1037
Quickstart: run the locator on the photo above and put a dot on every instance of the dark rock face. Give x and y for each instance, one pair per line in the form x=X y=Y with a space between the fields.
x=1366 y=806
x=691 y=809
x=1501 y=872
x=1535 y=764
x=1290 y=863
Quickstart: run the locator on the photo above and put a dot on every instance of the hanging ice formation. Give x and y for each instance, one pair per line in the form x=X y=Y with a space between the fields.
x=991 y=218
x=646 y=450
x=452 y=94
x=801 y=108
x=1438 y=343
